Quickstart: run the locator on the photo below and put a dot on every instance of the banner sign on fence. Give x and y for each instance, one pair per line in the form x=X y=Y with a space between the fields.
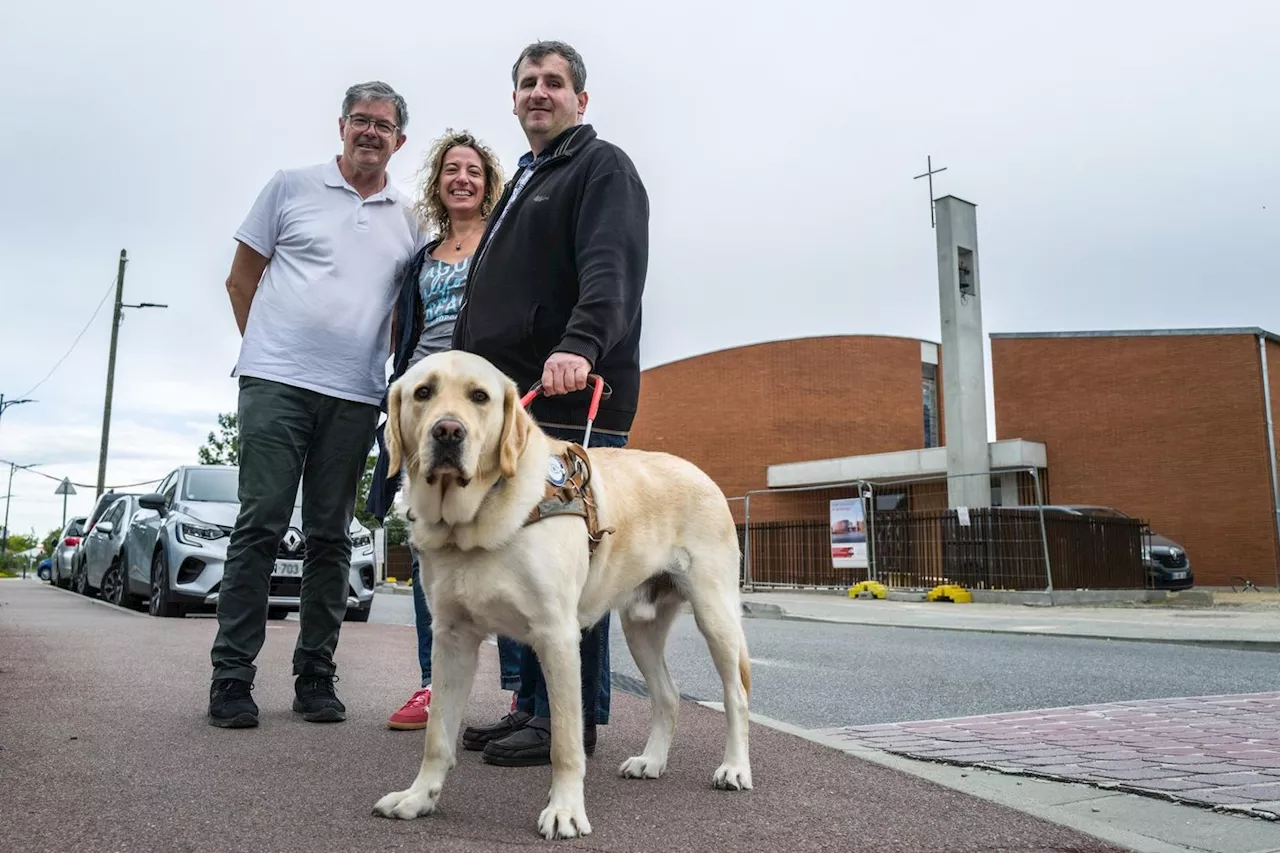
x=848 y=534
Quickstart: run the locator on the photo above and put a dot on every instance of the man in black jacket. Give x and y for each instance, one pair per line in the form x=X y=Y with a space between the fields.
x=553 y=295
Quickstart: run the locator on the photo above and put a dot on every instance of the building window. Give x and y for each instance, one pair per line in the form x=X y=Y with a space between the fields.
x=929 y=376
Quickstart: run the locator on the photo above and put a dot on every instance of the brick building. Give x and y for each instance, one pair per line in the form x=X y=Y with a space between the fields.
x=1170 y=426
x=735 y=412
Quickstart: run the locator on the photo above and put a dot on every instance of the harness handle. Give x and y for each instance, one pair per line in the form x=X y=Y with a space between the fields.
x=596 y=396
x=600 y=393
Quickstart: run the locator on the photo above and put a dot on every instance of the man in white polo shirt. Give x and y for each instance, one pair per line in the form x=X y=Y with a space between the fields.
x=312 y=286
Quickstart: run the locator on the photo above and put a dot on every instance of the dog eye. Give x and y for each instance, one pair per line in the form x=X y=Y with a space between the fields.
x=479 y=396
x=422 y=392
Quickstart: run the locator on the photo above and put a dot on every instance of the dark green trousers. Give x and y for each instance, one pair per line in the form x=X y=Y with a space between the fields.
x=290 y=435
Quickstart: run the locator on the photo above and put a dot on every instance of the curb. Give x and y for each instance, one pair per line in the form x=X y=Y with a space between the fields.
x=762 y=610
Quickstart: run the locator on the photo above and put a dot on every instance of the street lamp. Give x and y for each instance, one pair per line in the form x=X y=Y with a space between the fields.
x=4 y=542
x=5 y=404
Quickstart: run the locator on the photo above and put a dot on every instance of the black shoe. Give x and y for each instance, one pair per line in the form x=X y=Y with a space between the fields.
x=531 y=745
x=315 y=699
x=475 y=737
x=230 y=705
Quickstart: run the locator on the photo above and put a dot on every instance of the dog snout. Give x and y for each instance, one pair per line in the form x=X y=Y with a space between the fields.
x=448 y=432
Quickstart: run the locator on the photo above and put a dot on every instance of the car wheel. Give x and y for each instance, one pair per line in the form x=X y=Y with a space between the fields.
x=160 y=606
x=80 y=581
x=356 y=614
x=277 y=613
x=119 y=596
x=59 y=580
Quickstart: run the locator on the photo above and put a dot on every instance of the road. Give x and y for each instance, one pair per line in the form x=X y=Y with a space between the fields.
x=821 y=675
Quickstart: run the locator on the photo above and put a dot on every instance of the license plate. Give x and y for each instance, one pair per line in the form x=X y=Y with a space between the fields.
x=288 y=569
x=1179 y=576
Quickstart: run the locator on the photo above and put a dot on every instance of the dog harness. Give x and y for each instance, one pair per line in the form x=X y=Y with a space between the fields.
x=568 y=492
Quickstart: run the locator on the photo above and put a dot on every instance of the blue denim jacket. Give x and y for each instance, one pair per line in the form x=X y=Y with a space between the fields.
x=382 y=491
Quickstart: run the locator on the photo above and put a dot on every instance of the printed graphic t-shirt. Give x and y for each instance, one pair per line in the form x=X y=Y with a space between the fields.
x=441 y=284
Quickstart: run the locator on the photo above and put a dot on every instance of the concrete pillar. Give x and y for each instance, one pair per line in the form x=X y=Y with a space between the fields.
x=964 y=381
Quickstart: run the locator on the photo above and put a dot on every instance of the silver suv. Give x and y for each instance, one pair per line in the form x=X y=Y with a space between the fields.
x=177 y=544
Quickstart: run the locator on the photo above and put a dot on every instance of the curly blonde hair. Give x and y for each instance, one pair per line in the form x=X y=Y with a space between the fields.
x=429 y=209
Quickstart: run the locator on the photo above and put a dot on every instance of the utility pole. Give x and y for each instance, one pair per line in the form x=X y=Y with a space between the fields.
x=116 y=318
x=111 y=373
x=8 y=499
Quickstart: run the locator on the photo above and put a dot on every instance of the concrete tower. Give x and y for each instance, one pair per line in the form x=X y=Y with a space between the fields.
x=964 y=382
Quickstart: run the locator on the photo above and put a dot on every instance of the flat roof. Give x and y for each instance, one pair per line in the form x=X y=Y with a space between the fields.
x=1012 y=454
x=1252 y=331
x=778 y=341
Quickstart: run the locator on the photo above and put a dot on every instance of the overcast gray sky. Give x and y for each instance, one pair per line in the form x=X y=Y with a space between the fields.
x=1121 y=154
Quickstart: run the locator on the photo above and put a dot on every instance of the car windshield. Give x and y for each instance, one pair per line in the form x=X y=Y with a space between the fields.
x=1103 y=511
x=76 y=527
x=217 y=485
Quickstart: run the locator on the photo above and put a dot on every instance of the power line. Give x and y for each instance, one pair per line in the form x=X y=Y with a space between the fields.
x=110 y=287
x=82 y=485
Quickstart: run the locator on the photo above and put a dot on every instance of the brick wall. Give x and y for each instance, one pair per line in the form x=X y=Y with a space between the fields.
x=1168 y=428
x=737 y=411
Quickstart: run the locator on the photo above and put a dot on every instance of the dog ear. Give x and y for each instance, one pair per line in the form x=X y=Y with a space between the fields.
x=393 y=431
x=515 y=432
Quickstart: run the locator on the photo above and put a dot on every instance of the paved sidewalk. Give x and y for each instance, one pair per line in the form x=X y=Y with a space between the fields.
x=1218 y=626
x=1221 y=752
x=104 y=746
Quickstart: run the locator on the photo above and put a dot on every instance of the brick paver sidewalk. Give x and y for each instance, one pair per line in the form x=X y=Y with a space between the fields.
x=1218 y=751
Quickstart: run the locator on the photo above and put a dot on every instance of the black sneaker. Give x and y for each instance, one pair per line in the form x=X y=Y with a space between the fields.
x=315 y=699
x=475 y=737
x=230 y=705
x=531 y=745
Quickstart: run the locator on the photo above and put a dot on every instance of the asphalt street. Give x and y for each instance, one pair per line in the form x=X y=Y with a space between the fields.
x=820 y=675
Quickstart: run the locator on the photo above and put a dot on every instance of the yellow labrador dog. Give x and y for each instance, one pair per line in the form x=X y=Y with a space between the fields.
x=477 y=474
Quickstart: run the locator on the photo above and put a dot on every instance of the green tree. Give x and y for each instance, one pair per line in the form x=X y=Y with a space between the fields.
x=397 y=529
x=51 y=540
x=223 y=447
x=362 y=494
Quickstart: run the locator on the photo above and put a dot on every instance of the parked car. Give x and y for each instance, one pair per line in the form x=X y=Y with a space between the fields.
x=1166 y=562
x=104 y=550
x=64 y=550
x=105 y=500
x=177 y=544
x=44 y=570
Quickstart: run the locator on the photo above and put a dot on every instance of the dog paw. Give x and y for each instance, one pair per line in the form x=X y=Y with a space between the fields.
x=564 y=820
x=642 y=767
x=406 y=805
x=732 y=777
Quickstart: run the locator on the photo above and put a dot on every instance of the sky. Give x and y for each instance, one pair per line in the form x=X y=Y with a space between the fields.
x=1121 y=155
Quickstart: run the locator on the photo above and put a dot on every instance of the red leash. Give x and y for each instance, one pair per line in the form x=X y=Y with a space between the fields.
x=596 y=396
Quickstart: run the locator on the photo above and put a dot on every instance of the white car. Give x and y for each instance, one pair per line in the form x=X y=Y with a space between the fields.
x=177 y=543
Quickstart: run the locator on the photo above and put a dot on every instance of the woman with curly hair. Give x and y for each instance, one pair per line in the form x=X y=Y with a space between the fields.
x=461 y=182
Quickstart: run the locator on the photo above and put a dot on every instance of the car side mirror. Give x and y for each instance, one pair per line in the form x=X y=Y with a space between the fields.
x=105 y=528
x=154 y=501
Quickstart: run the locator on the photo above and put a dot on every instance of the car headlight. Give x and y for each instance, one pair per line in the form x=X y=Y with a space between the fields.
x=361 y=541
x=193 y=532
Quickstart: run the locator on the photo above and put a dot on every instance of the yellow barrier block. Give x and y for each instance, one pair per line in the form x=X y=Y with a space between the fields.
x=875 y=588
x=390 y=579
x=950 y=592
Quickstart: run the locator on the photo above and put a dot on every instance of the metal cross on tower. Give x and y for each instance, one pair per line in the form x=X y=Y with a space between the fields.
x=929 y=174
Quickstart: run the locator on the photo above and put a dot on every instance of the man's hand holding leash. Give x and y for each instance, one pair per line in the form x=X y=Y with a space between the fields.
x=564 y=372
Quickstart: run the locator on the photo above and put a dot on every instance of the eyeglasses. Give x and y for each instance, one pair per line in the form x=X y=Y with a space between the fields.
x=363 y=123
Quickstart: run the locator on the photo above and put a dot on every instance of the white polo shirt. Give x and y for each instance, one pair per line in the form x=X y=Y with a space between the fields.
x=321 y=318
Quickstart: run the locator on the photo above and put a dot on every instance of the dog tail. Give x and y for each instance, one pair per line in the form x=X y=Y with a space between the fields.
x=744 y=661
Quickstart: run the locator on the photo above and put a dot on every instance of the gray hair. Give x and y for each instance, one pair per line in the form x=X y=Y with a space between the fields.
x=539 y=50
x=376 y=90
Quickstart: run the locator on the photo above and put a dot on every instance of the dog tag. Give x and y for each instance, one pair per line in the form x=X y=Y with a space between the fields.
x=557 y=474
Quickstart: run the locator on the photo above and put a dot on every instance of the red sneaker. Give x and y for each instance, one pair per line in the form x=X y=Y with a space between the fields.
x=413 y=715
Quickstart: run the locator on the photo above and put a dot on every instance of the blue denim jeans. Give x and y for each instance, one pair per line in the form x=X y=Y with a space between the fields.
x=594 y=648
x=508 y=652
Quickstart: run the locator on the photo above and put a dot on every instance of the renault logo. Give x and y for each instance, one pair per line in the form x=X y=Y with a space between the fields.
x=292 y=541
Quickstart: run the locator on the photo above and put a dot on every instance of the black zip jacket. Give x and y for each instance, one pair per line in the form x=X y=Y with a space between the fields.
x=565 y=273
